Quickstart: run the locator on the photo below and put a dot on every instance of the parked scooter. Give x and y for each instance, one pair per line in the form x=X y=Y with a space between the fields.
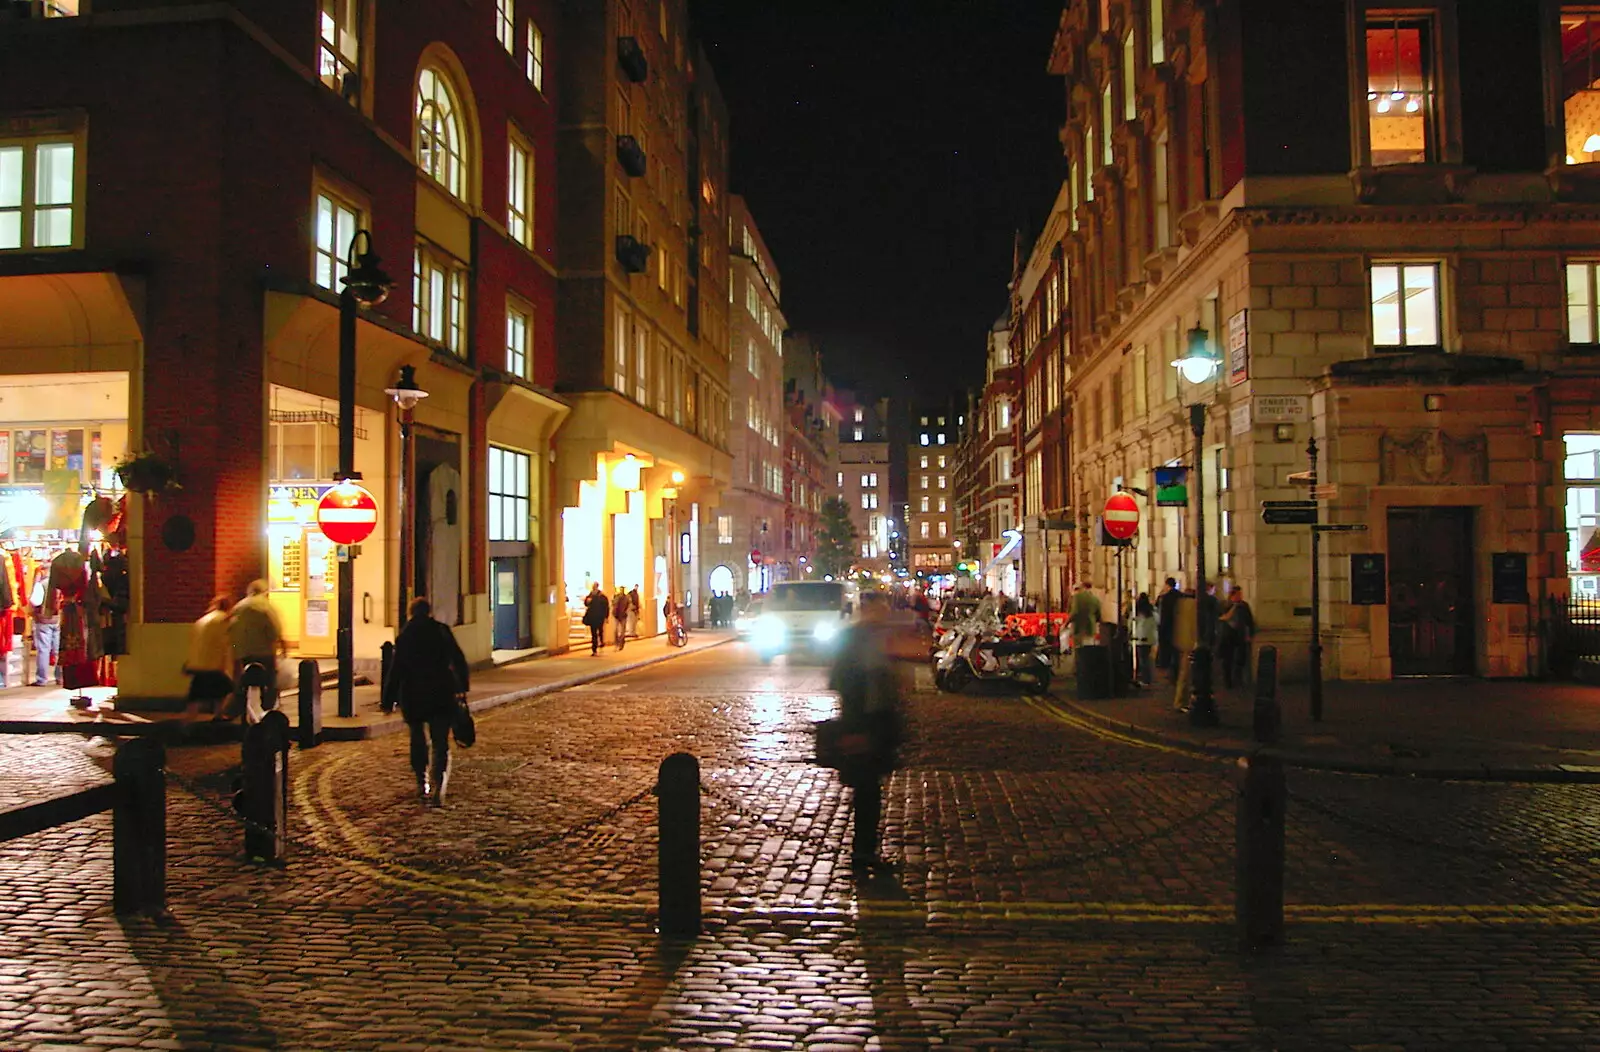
x=976 y=649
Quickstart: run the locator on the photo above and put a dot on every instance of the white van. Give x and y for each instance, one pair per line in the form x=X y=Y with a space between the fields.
x=800 y=616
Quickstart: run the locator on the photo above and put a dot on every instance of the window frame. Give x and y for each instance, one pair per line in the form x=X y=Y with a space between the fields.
x=517 y=307
x=343 y=67
x=533 y=61
x=32 y=134
x=500 y=499
x=338 y=196
x=1591 y=272
x=1445 y=88
x=1442 y=312
x=453 y=328
x=505 y=24
x=520 y=222
x=449 y=173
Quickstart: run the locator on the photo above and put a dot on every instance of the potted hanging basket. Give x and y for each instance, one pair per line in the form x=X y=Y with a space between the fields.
x=147 y=473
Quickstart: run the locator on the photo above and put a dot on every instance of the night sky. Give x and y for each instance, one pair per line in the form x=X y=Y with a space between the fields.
x=889 y=151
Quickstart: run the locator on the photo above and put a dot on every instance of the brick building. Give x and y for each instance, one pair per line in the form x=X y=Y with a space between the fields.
x=985 y=481
x=190 y=179
x=1388 y=244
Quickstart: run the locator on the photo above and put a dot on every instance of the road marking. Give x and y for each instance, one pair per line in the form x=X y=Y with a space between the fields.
x=1056 y=712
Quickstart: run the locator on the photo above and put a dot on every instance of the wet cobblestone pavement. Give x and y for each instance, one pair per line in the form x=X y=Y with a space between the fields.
x=1055 y=889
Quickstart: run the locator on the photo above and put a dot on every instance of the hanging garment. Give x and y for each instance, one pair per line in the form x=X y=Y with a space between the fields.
x=114 y=605
x=72 y=592
x=444 y=543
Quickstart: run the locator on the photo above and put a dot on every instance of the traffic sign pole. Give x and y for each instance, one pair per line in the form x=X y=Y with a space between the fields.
x=1316 y=599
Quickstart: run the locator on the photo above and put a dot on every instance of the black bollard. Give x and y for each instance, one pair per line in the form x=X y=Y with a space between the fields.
x=266 y=788
x=1258 y=834
x=385 y=663
x=1268 y=716
x=1202 y=702
x=678 y=795
x=310 y=729
x=139 y=829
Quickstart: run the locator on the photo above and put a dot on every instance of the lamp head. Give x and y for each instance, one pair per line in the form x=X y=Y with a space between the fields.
x=1198 y=362
x=365 y=279
x=405 y=392
x=677 y=478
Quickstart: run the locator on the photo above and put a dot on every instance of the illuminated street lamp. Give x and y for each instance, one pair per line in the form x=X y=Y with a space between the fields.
x=1198 y=365
x=406 y=395
x=365 y=285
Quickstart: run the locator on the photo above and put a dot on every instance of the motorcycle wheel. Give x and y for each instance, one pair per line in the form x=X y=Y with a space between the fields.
x=1044 y=682
x=938 y=678
x=957 y=678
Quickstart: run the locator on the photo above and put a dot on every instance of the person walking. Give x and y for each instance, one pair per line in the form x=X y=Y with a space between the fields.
x=1236 y=629
x=1084 y=615
x=633 y=611
x=596 y=612
x=428 y=681
x=46 y=610
x=619 y=613
x=1166 y=622
x=1144 y=637
x=210 y=660
x=869 y=692
x=257 y=638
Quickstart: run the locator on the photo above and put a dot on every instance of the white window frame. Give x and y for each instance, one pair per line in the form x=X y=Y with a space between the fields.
x=339 y=45
x=21 y=207
x=439 y=298
x=505 y=24
x=335 y=218
x=1401 y=267
x=519 y=337
x=1580 y=277
x=509 y=484
x=441 y=147
x=519 y=189
x=534 y=67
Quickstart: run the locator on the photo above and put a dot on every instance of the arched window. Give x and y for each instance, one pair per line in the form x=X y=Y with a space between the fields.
x=441 y=145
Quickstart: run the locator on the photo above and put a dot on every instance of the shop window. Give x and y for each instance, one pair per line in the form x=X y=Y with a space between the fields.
x=1582 y=324
x=1402 y=96
x=441 y=141
x=439 y=298
x=505 y=24
x=1580 y=82
x=519 y=323
x=339 y=47
x=333 y=227
x=519 y=190
x=1582 y=472
x=509 y=489
x=1405 y=306
x=535 y=58
x=38 y=193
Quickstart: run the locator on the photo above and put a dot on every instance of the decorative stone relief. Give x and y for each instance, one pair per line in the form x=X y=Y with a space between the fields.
x=1433 y=458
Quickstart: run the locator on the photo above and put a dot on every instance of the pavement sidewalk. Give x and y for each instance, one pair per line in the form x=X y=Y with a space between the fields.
x=1486 y=730
x=39 y=710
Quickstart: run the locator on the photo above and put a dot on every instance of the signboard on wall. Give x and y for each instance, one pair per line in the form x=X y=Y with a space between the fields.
x=1277 y=409
x=1509 y=572
x=1369 y=579
x=1239 y=422
x=1172 y=486
x=1239 y=348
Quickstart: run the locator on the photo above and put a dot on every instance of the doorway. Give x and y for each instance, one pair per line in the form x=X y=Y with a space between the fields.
x=509 y=578
x=1430 y=592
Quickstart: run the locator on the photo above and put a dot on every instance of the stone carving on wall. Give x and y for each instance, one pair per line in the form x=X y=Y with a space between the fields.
x=1432 y=458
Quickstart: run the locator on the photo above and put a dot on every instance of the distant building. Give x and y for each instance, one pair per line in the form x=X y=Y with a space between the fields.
x=931 y=468
x=986 y=481
x=863 y=479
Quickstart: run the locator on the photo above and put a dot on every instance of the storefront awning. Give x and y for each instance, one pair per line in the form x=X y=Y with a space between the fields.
x=70 y=322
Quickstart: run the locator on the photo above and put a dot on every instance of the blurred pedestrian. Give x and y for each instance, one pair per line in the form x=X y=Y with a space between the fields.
x=428 y=681
x=210 y=660
x=1236 y=629
x=596 y=613
x=619 y=613
x=1166 y=622
x=868 y=685
x=1144 y=638
x=633 y=611
x=1083 y=614
x=256 y=633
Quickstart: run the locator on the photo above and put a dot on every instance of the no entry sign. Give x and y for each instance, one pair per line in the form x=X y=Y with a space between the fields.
x=1121 y=516
x=347 y=513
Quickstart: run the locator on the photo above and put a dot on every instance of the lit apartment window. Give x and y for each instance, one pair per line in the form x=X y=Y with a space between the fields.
x=1402 y=99
x=339 y=47
x=641 y=364
x=535 y=59
x=924 y=503
x=856 y=433
x=944 y=528
x=1105 y=123
x=941 y=481
x=859 y=415
x=1158 y=33
x=943 y=506
x=333 y=227
x=924 y=421
x=619 y=353
x=924 y=482
x=864 y=503
x=519 y=191
x=505 y=25
x=441 y=149
x=1088 y=159
x=924 y=460
x=519 y=322
x=941 y=460
x=841 y=480
x=1581 y=299
x=1163 y=213
x=439 y=298
x=1130 y=97
x=923 y=528
x=1580 y=82
x=37 y=191
x=1405 y=306
x=508 y=494
x=924 y=438
x=1005 y=416
x=724 y=529
x=941 y=438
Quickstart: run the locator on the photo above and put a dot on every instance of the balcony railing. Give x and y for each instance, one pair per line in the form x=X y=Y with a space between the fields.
x=633 y=254
x=631 y=57
x=631 y=156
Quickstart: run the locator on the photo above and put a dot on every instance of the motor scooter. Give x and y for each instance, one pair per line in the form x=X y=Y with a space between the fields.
x=974 y=655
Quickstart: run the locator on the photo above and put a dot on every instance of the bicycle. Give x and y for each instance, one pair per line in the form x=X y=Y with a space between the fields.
x=677 y=632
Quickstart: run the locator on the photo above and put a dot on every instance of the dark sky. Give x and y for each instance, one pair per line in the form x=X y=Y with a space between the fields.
x=889 y=150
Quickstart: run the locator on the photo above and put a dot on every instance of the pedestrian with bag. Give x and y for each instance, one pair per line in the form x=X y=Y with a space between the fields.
x=619 y=613
x=596 y=613
x=210 y=661
x=428 y=680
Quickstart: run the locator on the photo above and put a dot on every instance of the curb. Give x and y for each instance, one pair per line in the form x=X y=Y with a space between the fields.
x=1312 y=762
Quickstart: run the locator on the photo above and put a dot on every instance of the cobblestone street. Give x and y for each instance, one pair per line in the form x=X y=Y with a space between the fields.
x=1057 y=888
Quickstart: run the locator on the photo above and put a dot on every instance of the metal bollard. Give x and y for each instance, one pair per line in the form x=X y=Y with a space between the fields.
x=310 y=729
x=139 y=829
x=385 y=663
x=1258 y=834
x=1268 y=715
x=678 y=795
x=1202 y=702
x=266 y=788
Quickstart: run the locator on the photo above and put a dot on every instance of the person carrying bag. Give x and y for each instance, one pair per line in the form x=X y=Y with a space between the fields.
x=428 y=680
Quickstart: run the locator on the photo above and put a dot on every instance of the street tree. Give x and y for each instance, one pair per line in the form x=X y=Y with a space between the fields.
x=835 y=538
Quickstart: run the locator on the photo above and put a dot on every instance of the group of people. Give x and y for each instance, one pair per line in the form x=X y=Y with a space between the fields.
x=622 y=610
x=1228 y=624
x=234 y=646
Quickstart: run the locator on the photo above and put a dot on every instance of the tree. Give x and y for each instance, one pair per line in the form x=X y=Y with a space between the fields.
x=835 y=538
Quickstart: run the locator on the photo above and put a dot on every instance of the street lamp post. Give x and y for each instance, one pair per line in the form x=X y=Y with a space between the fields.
x=364 y=285
x=406 y=395
x=1198 y=365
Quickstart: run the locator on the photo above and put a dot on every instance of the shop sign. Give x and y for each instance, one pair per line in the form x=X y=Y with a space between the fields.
x=1276 y=409
x=1172 y=486
x=295 y=504
x=685 y=549
x=1238 y=348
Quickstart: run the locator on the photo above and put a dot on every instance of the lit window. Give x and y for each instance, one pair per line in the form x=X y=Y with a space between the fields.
x=1581 y=320
x=439 y=298
x=943 y=506
x=841 y=480
x=1130 y=96
x=508 y=494
x=923 y=529
x=941 y=460
x=864 y=503
x=619 y=354
x=37 y=189
x=924 y=438
x=519 y=191
x=924 y=503
x=857 y=434
x=941 y=438
x=535 y=61
x=333 y=228
x=1105 y=123
x=924 y=461
x=440 y=142
x=1405 y=305
x=941 y=481
x=859 y=414
x=1401 y=99
x=1580 y=83
x=724 y=529
x=339 y=48
x=505 y=24
x=924 y=482
x=519 y=322
x=944 y=528
x=1158 y=33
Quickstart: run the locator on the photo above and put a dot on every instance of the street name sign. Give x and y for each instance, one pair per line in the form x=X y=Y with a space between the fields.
x=1289 y=512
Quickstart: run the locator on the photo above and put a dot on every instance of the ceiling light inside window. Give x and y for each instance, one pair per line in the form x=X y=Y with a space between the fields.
x=1397 y=95
x=1413 y=106
x=1383 y=105
x=1592 y=144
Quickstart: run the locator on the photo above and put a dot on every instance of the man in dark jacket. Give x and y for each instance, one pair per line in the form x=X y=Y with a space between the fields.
x=1166 y=621
x=596 y=612
x=428 y=680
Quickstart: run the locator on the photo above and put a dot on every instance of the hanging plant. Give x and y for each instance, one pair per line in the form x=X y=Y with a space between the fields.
x=147 y=473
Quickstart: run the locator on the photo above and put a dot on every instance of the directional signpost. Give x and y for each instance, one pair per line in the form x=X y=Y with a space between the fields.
x=1289 y=512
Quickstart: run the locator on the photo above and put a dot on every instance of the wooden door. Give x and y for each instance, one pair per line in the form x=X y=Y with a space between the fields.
x=1430 y=591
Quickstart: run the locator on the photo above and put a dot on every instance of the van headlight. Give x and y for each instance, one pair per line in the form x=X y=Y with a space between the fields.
x=768 y=631
x=824 y=631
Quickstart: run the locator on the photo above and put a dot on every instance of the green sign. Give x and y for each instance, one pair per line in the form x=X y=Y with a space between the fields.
x=1172 y=487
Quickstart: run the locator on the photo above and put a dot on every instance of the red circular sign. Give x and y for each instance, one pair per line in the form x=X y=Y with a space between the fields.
x=347 y=514
x=1121 y=516
x=755 y=556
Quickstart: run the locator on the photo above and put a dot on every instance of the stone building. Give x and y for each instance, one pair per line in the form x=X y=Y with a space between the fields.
x=1381 y=224
x=930 y=469
x=863 y=477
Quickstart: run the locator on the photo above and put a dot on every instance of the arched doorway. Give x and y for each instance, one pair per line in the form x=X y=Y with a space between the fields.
x=721 y=582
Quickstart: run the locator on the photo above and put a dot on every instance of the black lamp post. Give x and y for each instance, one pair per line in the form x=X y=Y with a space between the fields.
x=365 y=285
x=406 y=395
x=1197 y=366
